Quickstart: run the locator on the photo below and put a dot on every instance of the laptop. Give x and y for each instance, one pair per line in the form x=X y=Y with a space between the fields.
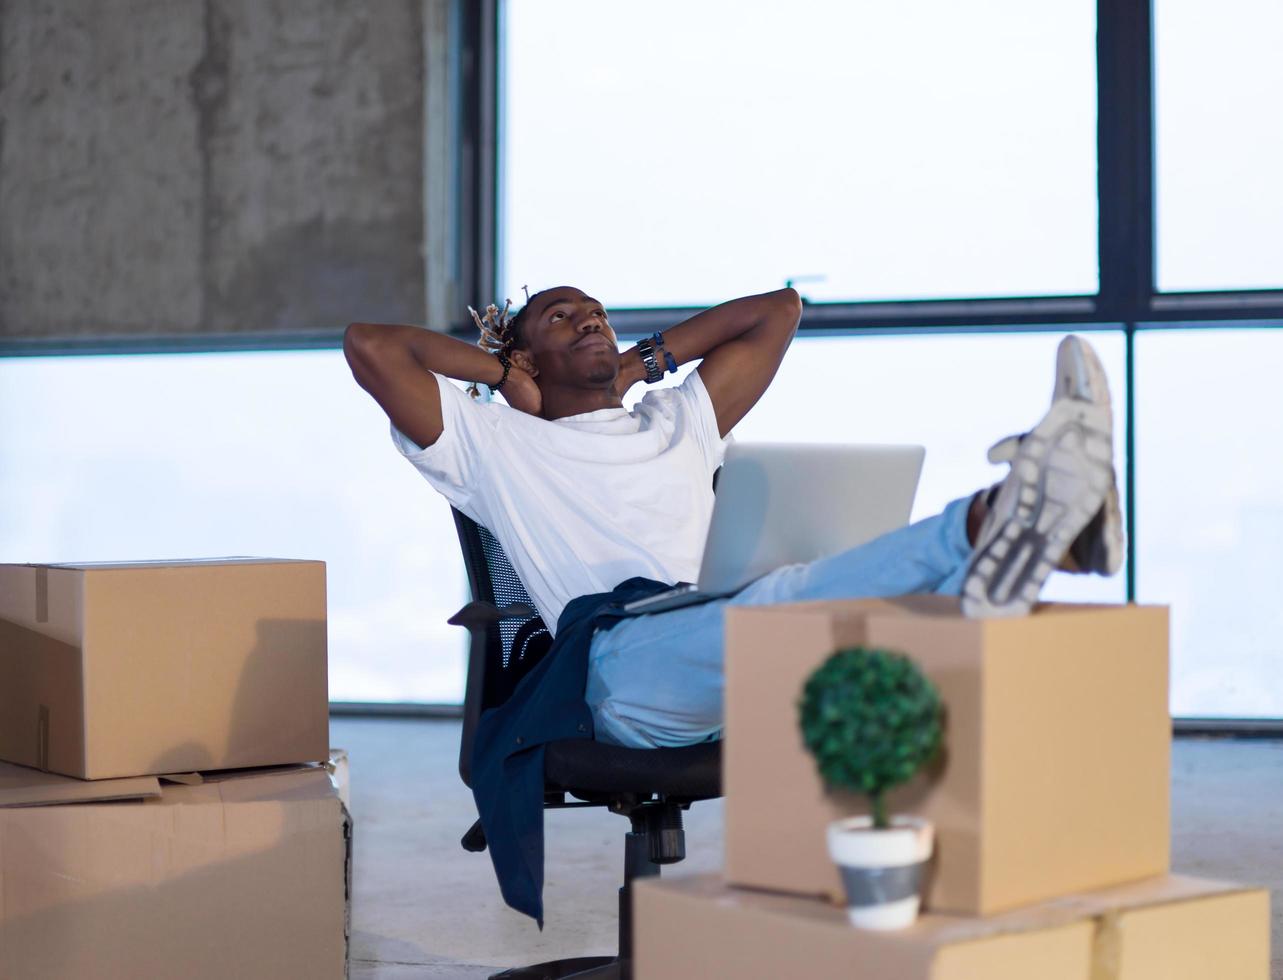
x=782 y=503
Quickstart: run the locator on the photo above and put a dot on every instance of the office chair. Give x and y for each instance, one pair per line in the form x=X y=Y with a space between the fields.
x=649 y=786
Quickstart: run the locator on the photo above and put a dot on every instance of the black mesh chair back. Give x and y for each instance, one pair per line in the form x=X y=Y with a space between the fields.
x=523 y=639
x=512 y=649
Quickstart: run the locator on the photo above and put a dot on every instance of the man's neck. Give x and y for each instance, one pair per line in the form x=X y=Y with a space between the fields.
x=560 y=403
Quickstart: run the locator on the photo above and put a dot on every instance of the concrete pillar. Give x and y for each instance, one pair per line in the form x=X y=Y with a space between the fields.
x=179 y=166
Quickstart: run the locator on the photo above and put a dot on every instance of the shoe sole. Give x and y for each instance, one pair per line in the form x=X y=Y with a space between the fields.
x=1115 y=544
x=1079 y=373
x=1059 y=479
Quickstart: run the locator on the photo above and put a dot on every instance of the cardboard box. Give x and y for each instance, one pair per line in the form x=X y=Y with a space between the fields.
x=243 y=874
x=1166 y=928
x=113 y=670
x=1055 y=774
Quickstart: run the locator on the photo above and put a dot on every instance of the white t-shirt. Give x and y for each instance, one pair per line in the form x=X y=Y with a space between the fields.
x=588 y=501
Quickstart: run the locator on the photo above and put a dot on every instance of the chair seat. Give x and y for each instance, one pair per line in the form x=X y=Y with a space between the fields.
x=585 y=766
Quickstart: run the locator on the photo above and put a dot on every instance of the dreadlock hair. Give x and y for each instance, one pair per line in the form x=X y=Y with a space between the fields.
x=501 y=334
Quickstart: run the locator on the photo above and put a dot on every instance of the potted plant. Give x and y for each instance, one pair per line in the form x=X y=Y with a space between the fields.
x=872 y=720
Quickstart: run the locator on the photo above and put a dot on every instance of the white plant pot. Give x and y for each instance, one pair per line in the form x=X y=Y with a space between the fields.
x=883 y=870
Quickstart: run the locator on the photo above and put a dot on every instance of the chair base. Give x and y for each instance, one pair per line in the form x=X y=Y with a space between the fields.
x=656 y=838
x=579 y=966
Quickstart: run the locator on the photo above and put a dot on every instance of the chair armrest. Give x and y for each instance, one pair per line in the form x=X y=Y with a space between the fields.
x=479 y=619
x=478 y=615
x=475 y=839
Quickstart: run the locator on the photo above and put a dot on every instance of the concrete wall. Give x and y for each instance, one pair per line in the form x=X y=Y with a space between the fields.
x=177 y=166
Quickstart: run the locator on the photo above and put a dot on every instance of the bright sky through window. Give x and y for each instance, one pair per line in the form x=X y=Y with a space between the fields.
x=1219 y=145
x=674 y=153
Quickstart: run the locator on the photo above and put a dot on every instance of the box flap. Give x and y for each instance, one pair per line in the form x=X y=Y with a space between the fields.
x=339 y=775
x=227 y=775
x=298 y=783
x=182 y=778
x=20 y=786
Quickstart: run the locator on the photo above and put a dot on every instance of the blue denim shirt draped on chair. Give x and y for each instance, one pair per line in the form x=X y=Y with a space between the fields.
x=508 y=753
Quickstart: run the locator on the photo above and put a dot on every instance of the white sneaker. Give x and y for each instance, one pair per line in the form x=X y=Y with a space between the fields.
x=1101 y=546
x=1062 y=477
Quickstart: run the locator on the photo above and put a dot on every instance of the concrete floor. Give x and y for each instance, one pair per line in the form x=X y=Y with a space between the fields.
x=425 y=908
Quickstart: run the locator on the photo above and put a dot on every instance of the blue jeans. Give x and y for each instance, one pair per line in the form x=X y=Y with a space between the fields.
x=656 y=680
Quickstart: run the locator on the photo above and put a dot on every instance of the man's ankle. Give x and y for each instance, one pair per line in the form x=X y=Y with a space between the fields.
x=976 y=515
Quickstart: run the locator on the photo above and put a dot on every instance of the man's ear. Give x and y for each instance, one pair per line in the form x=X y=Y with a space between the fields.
x=522 y=359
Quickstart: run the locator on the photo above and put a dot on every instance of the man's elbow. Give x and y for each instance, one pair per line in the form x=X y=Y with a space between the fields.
x=361 y=342
x=786 y=300
x=357 y=336
x=790 y=303
x=364 y=346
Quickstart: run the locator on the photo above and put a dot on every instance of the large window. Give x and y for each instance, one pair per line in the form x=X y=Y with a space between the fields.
x=272 y=454
x=951 y=185
x=674 y=153
x=1209 y=494
x=1218 y=86
x=884 y=158
x=281 y=455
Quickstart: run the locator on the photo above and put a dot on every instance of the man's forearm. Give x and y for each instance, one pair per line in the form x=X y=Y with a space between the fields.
x=432 y=351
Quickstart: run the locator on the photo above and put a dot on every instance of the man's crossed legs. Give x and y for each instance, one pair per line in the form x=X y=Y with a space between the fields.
x=656 y=680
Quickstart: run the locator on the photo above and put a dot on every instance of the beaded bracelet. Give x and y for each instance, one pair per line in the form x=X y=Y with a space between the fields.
x=507 y=366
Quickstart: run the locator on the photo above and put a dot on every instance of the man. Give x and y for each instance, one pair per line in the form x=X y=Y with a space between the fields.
x=584 y=495
x=596 y=506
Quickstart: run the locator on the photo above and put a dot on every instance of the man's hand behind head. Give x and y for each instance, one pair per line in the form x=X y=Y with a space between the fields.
x=631 y=371
x=521 y=392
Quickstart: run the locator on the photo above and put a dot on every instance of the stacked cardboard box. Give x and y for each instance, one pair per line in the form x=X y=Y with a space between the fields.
x=1050 y=803
x=237 y=874
x=1164 y=928
x=146 y=668
x=174 y=809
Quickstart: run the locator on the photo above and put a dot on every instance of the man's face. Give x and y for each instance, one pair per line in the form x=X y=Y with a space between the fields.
x=570 y=340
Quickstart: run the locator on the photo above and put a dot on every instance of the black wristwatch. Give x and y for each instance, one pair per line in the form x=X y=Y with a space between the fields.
x=654 y=372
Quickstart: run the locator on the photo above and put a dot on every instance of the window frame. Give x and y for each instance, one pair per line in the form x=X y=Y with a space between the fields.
x=1126 y=299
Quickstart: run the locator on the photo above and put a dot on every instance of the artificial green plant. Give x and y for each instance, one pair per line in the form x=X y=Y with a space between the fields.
x=871 y=719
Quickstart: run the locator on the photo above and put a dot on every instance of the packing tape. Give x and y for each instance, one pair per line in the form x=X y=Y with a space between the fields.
x=42 y=738
x=42 y=595
x=1106 y=948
